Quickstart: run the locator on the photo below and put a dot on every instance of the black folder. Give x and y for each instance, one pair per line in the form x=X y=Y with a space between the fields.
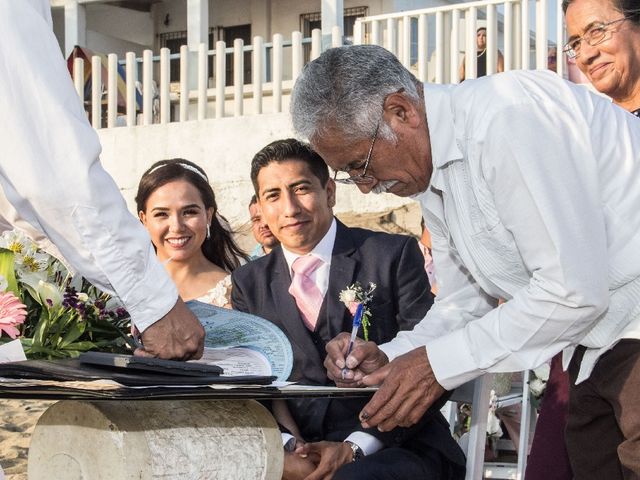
x=72 y=369
x=149 y=364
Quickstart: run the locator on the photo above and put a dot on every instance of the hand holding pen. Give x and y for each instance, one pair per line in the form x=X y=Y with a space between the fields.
x=357 y=321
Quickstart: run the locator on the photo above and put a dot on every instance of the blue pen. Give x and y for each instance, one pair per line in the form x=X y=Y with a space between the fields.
x=357 y=321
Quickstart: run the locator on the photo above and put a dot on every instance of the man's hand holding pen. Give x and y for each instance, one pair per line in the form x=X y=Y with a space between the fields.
x=364 y=358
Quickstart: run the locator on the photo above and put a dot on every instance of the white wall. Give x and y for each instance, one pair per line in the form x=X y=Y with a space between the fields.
x=224 y=148
x=124 y=23
x=177 y=10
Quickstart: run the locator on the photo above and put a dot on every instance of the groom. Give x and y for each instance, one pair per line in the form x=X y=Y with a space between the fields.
x=297 y=287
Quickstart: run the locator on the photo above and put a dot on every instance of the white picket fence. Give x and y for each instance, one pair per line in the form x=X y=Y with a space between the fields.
x=430 y=41
x=451 y=31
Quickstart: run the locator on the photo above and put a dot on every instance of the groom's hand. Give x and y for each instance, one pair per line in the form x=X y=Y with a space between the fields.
x=365 y=358
x=178 y=335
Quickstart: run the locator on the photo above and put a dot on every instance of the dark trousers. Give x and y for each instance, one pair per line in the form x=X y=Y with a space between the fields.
x=548 y=458
x=603 y=429
x=396 y=464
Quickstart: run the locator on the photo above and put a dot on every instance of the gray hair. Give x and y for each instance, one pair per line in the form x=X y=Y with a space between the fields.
x=345 y=89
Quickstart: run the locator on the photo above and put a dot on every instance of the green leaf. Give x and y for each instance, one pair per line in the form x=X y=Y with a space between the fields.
x=41 y=329
x=7 y=270
x=73 y=334
x=81 y=346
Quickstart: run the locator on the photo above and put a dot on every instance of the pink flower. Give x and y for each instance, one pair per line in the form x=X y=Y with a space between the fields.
x=353 y=306
x=12 y=313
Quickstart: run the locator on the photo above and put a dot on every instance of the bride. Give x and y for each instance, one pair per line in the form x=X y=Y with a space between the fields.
x=176 y=204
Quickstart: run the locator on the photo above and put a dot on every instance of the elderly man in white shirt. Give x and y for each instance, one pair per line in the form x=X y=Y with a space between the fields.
x=530 y=187
x=54 y=184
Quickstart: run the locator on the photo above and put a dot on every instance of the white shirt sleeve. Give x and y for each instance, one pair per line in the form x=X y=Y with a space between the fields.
x=50 y=170
x=367 y=442
x=459 y=299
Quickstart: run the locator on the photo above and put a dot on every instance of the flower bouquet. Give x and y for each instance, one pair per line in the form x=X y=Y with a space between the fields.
x=54 y=313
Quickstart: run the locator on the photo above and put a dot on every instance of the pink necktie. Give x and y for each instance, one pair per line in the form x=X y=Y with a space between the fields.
x=305 y=291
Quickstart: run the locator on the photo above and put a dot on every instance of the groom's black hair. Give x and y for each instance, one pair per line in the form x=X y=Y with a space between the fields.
x=286 y=150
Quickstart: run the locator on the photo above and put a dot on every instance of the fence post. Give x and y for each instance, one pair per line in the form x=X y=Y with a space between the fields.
x=455 y=45
x=541 y=34
x=560 y=40
x=184 y=83
x=165 y=80
x=470 y=55
x=296 y=55
x=221 y=77
x=423 y=48
x=147 y=87
x=112 y=89
x=492 y=40
x=358 y=30
x=440 y=47
x=336 y=36
x=316 y=43
x=406 y=41
x=96 y=92
x=258 y=61
x=524 y=42
x=132 y=77
x=238 y=77
x=78 y=77
x=375 y=32
x=203 y=79
x=392 y=36
x=276 y=72
x=508 y=36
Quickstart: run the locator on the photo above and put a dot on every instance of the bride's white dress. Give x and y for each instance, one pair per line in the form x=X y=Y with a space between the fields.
x=220 y=294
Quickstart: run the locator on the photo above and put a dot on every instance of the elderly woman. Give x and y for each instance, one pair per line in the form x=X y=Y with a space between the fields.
x=604 y=43
x=604 y=39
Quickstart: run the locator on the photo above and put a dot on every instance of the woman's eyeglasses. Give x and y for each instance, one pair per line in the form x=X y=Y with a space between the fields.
x=594 y=36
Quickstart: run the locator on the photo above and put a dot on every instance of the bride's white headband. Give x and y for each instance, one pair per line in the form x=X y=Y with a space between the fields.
x=183 y=165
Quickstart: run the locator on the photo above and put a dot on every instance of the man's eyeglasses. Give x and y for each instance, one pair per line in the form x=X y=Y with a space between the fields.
x=361 y=178
x=594 y=36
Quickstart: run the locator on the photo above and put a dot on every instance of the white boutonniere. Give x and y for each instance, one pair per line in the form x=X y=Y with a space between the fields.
x=355 y=295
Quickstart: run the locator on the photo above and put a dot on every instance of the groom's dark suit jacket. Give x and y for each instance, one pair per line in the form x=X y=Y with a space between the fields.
x=402 y=297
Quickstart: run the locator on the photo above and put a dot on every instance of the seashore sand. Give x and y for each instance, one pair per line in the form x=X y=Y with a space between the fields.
x=19 y=417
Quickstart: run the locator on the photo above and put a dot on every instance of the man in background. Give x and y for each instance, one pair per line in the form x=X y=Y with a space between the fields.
x=261 y=232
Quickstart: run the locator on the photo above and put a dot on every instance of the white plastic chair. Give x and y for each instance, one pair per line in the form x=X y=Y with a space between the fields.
x=477 y=393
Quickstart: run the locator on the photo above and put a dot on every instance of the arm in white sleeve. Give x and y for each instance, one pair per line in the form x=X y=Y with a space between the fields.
x=543 y=180
x=50 y=170
x=459 y=299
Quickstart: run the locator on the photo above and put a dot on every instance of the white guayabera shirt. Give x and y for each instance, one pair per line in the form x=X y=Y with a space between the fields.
x=51 y=174
x=534 y=198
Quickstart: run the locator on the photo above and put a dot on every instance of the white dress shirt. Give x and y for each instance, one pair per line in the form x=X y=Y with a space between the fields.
x=324 y=250
x=51 y=174
x=534 y=198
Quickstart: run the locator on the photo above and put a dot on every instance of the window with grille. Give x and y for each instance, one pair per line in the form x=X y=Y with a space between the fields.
x=174 y=40
x=311 y=21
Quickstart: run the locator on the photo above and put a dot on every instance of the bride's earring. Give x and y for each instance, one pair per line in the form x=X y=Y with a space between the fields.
x=208 y=231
